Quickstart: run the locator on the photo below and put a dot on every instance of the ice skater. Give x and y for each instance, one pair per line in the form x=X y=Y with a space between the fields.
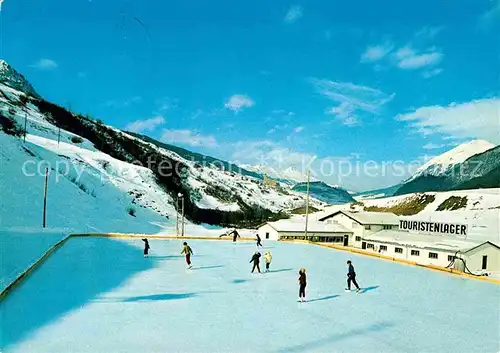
x=258 y=240
x=351 y=277
x=302 y=285
x=188 y=251
x=236 y=235
x=256 y=261
x=268 y=257
x=146 y=247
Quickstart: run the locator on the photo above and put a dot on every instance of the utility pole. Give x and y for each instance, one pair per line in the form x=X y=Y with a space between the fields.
x=177 y=216
x=307 y=203
x=182 y=225
x=25 y=124
x=45 y=196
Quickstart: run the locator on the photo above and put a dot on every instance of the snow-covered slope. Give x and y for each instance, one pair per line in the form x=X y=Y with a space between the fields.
x=481 y=210
x=440 y=164
x=288 y=175
x=102 y=190
x=12 y=78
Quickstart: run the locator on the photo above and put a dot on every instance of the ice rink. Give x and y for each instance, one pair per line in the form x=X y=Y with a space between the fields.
x=101 y=295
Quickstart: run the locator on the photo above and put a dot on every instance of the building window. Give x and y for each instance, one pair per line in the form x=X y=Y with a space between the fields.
x=387 y=227
x=368 y=227
x=415 y=253
x=358 y=238
x=450 y=257
x=369 y=246
x=383 y=247
x=485 y=262
x=433 y=255
x=398 y=250
x=267 y=235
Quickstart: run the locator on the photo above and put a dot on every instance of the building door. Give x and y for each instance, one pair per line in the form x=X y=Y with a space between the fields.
x=346 y=240
x=485 y=262
x=363 y=245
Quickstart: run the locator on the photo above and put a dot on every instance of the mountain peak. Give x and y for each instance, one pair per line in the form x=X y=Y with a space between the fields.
x=10 y=77
x=438 y=165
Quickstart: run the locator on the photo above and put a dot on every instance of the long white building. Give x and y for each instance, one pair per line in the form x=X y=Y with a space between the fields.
x=437 y=250
x=423 y=242
x=362 y=224
x=288 y=229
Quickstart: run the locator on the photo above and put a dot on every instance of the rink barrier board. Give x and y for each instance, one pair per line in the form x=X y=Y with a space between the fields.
x=139 y=236
x=407 y=262
x=33 y=267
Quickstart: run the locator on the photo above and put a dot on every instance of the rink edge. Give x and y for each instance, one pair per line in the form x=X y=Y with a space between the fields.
x=395 y=259
x=33 y=266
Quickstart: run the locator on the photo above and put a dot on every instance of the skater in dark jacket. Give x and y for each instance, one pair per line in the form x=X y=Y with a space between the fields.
x=302 y=284
x=258 y=240
x=236 y=235
x=351 y=277
x=188 y=251
x=146 y=247
x=256 y=261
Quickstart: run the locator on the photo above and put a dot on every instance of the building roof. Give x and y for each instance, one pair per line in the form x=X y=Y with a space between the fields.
x=439 y=242
x=366 y=218
x=287 y=225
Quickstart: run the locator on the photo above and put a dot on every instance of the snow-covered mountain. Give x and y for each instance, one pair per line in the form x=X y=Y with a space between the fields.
x=439 y=165
x=472 y=165
x=98 y=173
x=377 y=193
x=288 y=176
x=332 y=195
x=12 y=78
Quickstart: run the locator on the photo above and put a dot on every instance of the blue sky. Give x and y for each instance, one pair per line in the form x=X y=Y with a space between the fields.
x=272 y=82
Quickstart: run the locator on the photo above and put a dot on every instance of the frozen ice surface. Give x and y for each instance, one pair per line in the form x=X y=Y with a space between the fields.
x=102 y=295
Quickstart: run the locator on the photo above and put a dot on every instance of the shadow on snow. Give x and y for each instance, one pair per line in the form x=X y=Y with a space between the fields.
x=367 y=289
x=207 y=267
x=323 y=298
x=74 y=275
x=337 y=337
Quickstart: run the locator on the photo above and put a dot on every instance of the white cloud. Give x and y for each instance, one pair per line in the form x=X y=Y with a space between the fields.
x=188 y=137
x=491 y=15
x=432 y=146
x=410 y=59
x=45 y=64
x=476 y=119
x=294 y=13
x=145 y=125
x=238 y=102
x=432 y=73
x=429 y=32
x=376 y=52
x=298 y=129
x=353 y=101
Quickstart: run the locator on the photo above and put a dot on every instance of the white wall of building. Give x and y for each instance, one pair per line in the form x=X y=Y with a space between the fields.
x=474 y=258
x=422 y=257
x=266 y=232
x=359 y=230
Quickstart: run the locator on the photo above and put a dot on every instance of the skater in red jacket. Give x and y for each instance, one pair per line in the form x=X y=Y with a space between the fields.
x=188 y=251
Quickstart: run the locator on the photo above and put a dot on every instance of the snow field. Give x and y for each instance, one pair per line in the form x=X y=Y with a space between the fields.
x=100 y=294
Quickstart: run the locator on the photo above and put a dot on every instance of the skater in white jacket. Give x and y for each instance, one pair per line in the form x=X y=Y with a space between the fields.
x=268 y=257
